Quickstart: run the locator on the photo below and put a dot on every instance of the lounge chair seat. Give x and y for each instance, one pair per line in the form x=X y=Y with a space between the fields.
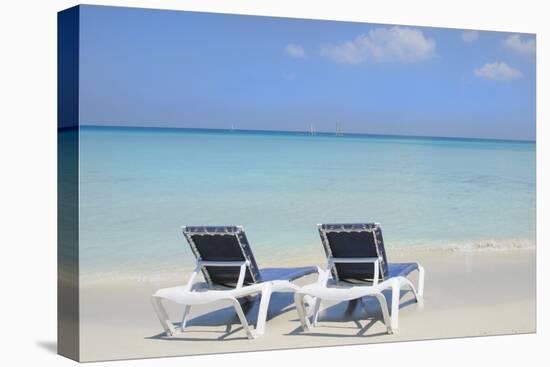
x=401 y=269
x=203 y=294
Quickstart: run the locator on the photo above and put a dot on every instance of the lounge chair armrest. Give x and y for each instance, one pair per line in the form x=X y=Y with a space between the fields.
x=240 y=264
x=191 y=280
x=350 y=260
x=222 y=263
x=201 y=263
x=355 y=260
x=323 y=276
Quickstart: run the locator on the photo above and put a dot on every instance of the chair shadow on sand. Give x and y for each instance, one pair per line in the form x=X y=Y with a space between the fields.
x=280 y=303
x=356 y=311
x=365 y=309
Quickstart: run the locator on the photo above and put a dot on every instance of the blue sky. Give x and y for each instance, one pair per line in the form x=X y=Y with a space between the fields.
x=143 y=67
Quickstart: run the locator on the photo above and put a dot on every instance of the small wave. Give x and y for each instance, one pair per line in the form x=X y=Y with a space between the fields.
x=473 y=246
x=151 y=277
x=495 y=245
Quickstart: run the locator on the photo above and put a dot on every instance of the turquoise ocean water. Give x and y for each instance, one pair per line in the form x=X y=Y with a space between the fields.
x=139 y=186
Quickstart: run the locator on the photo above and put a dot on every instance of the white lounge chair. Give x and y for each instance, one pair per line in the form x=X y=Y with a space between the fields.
x=357 y=267
x=224 y=257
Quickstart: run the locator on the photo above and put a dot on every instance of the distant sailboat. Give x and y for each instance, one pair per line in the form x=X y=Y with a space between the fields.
x=339 y=131
x=311 y=129
x=232 y=128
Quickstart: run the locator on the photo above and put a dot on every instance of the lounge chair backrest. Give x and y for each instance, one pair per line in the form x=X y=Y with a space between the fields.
x=227 y=243
x=354 y=240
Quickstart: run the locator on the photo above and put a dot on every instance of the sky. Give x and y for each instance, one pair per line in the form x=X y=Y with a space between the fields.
x=142 y=67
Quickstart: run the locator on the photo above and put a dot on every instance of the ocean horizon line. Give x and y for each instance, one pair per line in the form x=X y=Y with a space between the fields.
x=302 y=133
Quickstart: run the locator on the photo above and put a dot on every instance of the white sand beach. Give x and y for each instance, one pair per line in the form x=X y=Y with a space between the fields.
x=474 y=293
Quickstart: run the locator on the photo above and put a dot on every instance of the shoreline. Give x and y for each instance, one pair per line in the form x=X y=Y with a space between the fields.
x=175 y=269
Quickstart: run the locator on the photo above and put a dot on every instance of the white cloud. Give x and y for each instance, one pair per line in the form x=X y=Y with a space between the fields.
x=498 y=71
x=395 y=44
x=523 y=45
x=470 y=36
x=295 y=50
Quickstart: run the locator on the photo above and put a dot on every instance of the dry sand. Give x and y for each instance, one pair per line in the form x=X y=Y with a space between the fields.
x=466 y=294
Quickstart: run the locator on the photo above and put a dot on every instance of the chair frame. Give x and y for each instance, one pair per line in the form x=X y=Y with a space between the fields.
x=195 y=293
x=346 y=292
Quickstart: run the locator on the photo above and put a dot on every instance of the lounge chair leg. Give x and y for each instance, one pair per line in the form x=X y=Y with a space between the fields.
x=385 y=314
x=264 y=307
x=309 y=301
x=163 y=316
x=242 y=318
x=302 y=314
x=395 y=296
x=316 y=310
x=409 y=284
x=184 y=317
x=420 y=281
